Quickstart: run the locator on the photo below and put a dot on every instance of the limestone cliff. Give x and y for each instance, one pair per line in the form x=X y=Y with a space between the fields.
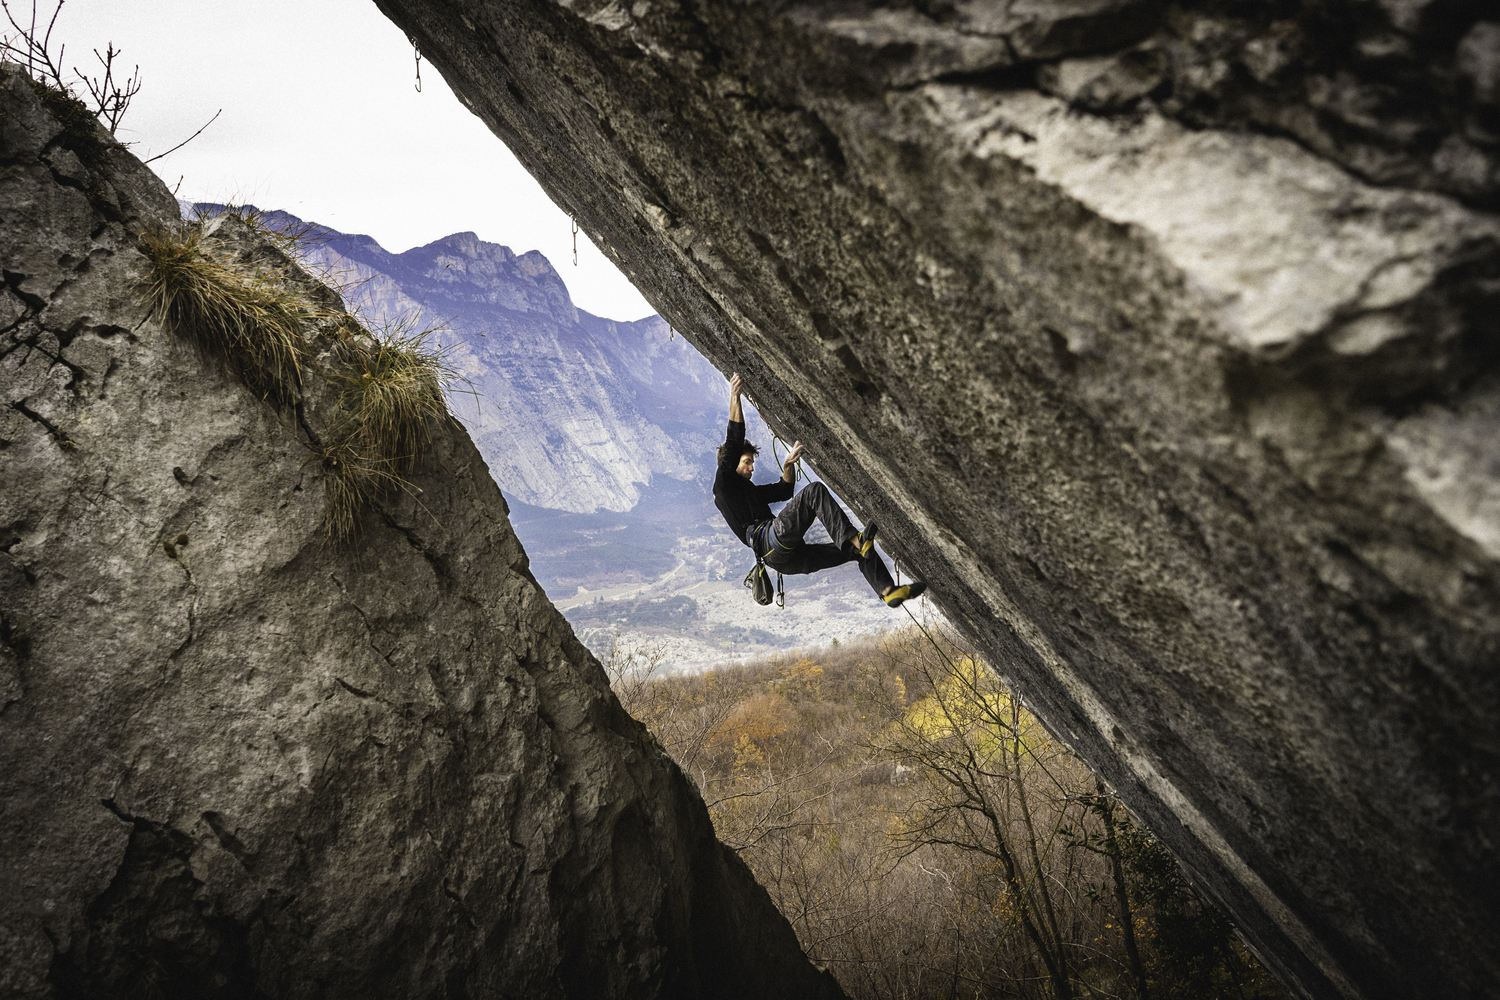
x=237 y=760
x=1160 y=338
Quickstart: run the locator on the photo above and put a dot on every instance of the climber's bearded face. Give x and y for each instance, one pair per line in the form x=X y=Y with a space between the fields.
x=746 y=467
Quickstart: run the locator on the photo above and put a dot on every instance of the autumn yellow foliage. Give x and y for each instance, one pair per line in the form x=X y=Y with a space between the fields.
x=926 y=836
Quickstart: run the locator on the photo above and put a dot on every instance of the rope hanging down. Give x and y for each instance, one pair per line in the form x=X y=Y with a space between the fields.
x=776 y=454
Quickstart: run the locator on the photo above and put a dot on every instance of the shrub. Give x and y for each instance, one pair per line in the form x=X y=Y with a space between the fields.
x=30 y=46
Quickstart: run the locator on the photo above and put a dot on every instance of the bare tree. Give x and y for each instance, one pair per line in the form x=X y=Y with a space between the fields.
x=111 y=97
x=977 y=751
x=31 y=45
x=923 y=834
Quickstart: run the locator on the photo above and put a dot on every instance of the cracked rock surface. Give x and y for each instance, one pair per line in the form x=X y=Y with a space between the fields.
x=1160 y=339
x=238 y=761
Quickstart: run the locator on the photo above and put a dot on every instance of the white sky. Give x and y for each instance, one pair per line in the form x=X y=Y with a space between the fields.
x=321 y=119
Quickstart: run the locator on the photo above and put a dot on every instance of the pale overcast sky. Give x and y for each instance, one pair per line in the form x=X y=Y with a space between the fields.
x=322 y=119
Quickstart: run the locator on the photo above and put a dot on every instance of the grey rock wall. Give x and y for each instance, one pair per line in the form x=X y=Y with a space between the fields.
x=1161 y=339
x=238 y=761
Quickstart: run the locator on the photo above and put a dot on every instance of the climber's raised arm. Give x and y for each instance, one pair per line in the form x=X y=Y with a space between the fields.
x=736 y=409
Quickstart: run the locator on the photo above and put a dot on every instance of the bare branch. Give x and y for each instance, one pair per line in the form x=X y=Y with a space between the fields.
x=37 y=54
x=111 y=99
x=188 y=139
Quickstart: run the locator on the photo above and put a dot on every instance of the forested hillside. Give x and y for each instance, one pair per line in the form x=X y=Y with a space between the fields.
x=926 y=836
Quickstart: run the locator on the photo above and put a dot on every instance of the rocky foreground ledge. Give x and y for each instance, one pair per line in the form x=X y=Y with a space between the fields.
x=1161 y=339
x=237 y=760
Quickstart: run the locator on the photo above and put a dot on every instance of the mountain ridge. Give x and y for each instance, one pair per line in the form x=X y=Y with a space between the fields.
x=573 y=411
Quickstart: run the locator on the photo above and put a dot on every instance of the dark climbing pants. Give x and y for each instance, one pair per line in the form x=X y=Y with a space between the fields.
x=780 y=543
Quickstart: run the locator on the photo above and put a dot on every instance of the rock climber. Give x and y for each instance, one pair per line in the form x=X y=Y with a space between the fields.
x=778 y=539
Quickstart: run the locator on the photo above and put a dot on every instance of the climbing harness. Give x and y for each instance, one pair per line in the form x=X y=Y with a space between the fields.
x=758 y=580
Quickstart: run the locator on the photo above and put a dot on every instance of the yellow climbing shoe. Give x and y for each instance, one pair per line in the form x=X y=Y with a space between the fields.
x=905 y=592
x=864 y=542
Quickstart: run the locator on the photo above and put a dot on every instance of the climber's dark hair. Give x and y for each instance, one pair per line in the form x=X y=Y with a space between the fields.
x=746 y=448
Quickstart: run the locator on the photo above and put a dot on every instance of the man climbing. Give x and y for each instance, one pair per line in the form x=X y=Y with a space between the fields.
x=778 y=540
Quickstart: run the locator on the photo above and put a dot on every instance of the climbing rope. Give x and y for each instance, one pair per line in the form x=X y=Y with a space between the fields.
x=775 y=440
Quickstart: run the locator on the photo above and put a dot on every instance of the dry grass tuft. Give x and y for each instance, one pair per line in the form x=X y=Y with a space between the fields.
x=352 y=482
x=393 y=391
x=293 y=237
x=390 y=383
x=391 y=386
x=244 y=321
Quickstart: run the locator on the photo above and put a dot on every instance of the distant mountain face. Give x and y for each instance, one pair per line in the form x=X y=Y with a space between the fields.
x=571 y=411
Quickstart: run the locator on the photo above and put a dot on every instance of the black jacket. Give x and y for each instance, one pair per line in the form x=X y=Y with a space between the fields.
x=740 y=501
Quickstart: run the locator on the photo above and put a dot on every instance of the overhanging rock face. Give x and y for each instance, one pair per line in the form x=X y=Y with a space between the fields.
x=1161 y=341
x=239 y=761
